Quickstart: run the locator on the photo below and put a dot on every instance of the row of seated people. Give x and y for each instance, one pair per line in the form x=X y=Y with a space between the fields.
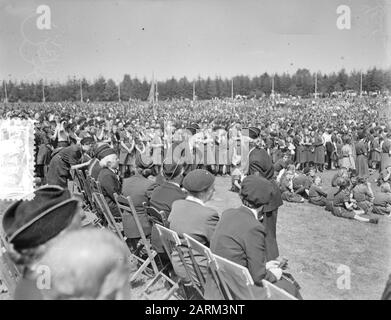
x=182 y=198
x=353 y=198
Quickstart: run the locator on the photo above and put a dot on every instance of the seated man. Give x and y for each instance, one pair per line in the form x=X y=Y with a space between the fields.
x=32 y=226
x=192 y=217
x=240 y=237
x=109 y=180
x=87 y=264
x=139 y=188
x=164 y=195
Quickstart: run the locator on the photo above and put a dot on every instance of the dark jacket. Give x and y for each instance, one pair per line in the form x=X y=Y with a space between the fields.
x=139 y=189
x=110 y=184
x=240 y=237
x=162 y=199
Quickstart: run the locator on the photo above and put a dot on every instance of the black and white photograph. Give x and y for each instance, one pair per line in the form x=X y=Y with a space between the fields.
x=186 y=151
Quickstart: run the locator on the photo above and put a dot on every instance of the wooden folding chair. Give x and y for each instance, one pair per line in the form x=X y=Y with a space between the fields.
x=238 y=280
x=156 y=216
x=172 y=243
x=126 y=207
x=104 y=210
x=93 y=184
x=84 y=187
x=196 y=246
x=9 y=272
x=275 y=293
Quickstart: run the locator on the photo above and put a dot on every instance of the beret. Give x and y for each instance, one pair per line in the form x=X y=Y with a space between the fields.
x=30 y=223
x=306 y=170
x=87 y=140
x=106 y=152
x=198 y=180
x=192 y=129
x=99 y=148
x=256 y=190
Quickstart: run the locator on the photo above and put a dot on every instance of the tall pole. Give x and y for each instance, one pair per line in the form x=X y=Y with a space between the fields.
x=43 y=91
x=316 y=85
x=360 y=83
x=119 y=91
x=273 y=85
x=193 y=90
x=5 y=91
x=156 y=92
x=81 y=91
x=232 y=88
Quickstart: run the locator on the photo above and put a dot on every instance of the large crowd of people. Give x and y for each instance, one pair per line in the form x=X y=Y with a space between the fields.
x=168 y=155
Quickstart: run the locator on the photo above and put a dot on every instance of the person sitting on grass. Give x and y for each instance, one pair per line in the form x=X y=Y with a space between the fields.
x=303 y=181
x=382 y=202
x=344 y=206
x=286 y=187
x=363 y=194
x=385 y=176
x=316 y=195
x=341 y=173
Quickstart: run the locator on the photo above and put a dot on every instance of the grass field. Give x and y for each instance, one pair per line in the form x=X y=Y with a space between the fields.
x=317 y=244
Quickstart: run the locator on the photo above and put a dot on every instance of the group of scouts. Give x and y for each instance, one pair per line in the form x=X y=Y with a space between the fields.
x=269 y=162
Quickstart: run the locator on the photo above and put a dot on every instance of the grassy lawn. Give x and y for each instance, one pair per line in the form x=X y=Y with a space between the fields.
x=317 y=244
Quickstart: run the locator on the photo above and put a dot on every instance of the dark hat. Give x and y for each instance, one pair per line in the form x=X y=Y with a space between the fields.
x=256 y=190
x=306 y=170
x=254 y=132
x=198 y=180
x=87 y=140
x=99 y=149
x=30 y=223
x=106 y=152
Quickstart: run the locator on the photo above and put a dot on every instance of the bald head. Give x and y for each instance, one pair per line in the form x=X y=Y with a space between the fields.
x=87 y=264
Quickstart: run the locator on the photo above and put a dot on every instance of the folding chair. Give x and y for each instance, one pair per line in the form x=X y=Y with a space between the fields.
x=126 y=208
x=8 y=270
x=156 y=216
x=275 y=293
x=238 y=280
x=84 y=187
x=196 y=246
x=93 y=184
x=172 y=243
x=104 y=210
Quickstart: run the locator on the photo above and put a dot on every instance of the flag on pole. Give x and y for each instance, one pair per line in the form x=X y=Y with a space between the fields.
x=152 y=96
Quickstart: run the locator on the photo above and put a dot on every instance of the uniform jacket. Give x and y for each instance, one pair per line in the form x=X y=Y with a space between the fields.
x=139 y=189
x=110 y=184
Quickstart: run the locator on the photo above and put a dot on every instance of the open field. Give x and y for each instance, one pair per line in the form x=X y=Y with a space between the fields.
x=317 y=244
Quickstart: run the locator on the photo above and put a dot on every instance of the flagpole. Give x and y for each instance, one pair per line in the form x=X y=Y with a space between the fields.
x=81 y=91
x=232 y=88
x=193 y=90
x=43 y=91
x=5 y=91
x=119 y=91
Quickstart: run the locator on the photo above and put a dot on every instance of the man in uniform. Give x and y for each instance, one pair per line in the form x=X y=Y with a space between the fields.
x=65 y=159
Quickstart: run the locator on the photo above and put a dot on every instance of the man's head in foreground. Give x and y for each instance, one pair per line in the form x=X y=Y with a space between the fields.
x=87 y=264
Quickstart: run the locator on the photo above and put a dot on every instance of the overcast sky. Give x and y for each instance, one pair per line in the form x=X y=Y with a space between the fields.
x=189 y=38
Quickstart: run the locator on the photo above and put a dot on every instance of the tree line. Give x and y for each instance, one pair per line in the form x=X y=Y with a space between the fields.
x=301 y=83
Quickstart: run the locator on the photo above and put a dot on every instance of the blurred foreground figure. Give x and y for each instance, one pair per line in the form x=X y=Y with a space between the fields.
x=87 y=264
